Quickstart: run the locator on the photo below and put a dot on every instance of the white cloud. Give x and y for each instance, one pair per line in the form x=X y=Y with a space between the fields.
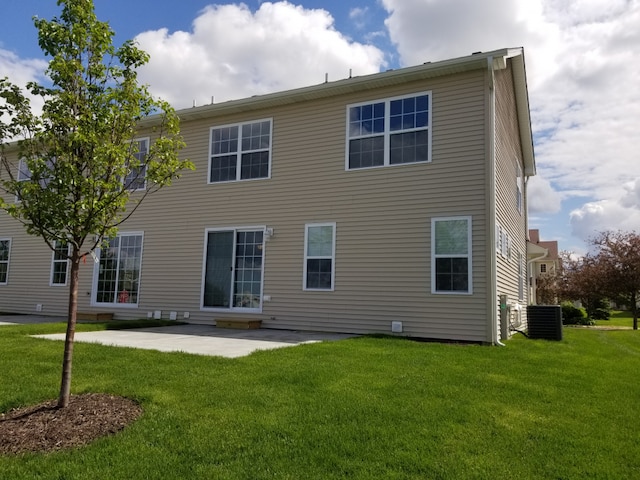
x=631 y=198
x=592 y=218
x=359 y=17
x=21 y=71
x=233 y=52
x=582 y=70
x=542 y=197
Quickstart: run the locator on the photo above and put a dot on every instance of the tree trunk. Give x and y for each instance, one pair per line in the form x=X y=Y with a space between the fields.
x=65 y=385
x=634 y=310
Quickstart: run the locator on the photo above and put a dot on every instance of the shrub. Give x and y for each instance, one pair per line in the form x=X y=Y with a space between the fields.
x=599 y=309
x=572 y=315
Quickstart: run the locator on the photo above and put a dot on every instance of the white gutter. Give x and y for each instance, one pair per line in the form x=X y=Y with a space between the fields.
x=493 y=262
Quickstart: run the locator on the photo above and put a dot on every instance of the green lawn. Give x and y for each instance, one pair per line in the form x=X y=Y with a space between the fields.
x=365 y=408
x=619 y=318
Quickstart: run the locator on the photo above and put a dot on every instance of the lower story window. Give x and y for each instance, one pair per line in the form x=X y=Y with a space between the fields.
x=60 y=264
x=319 y=256
x=117 y=281
x=233 y=269
x=5 y=247
x=451 y=255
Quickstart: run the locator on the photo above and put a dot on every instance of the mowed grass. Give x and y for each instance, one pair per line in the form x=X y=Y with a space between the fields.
x=365 y=408
x=619 y=318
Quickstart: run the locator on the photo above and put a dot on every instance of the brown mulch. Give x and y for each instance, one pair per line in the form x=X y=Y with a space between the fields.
x=45 y=428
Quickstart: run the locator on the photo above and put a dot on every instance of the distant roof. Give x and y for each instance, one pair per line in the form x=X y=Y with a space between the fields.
x=550 y=245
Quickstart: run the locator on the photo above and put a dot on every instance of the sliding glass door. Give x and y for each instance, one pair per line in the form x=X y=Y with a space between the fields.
x=233 y=269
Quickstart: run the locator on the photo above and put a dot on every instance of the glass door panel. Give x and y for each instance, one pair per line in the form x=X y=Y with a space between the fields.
x=247 y=285
x=218 y=269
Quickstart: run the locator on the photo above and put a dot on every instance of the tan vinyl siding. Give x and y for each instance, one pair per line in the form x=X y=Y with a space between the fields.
x=508 y=154
x=382 y=215
x=29 y=274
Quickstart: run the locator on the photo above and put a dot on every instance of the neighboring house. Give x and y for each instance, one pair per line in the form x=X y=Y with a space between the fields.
x=544 y=264
x=390 y=203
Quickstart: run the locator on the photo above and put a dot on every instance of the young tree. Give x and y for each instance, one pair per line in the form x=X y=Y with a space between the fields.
x=70 y=173
x=547 y=288
x=581 y=279
x=618 y=260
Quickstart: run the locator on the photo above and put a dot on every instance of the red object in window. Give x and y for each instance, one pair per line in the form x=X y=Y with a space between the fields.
x=123 y=297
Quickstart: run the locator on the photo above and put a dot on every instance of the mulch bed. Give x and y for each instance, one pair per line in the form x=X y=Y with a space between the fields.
x=45 y=428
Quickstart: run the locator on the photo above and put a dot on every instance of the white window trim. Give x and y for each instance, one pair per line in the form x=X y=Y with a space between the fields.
x=333 y=257
x=387 y=133
x=53 y=262
x=96 y=273
x=144 y=186
x=468 y=255
x=240 y=151
x=235 y=230
x=8 y=260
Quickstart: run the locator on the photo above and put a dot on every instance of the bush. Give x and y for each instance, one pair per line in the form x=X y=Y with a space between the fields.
x=572 y=315
x=599 y=309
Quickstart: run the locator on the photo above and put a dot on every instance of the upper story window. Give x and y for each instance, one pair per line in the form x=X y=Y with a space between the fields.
x=543 y=268
x=5 y=247
x=240 y=152
x=25 y=175
x=389 y=132
x=519 y=198
x=136 y=175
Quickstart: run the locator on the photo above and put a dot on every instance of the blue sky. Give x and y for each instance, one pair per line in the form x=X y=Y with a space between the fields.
x=582 y=59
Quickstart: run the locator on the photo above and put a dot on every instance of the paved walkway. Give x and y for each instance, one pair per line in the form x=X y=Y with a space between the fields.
x=13 y=319
x=189 y=338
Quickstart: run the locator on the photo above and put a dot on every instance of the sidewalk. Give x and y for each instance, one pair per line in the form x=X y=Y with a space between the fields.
x=13 y=319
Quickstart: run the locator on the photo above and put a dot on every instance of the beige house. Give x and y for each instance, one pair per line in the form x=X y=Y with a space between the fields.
x=390 y=203
x=544 y=263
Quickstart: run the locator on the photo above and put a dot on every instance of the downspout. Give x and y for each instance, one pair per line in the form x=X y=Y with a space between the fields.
x=493 y=261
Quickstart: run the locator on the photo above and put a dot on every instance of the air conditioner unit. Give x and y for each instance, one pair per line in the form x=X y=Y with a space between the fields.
x=544 y=322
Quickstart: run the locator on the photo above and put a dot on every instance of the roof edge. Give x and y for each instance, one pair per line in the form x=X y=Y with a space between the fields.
x=358 y=83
